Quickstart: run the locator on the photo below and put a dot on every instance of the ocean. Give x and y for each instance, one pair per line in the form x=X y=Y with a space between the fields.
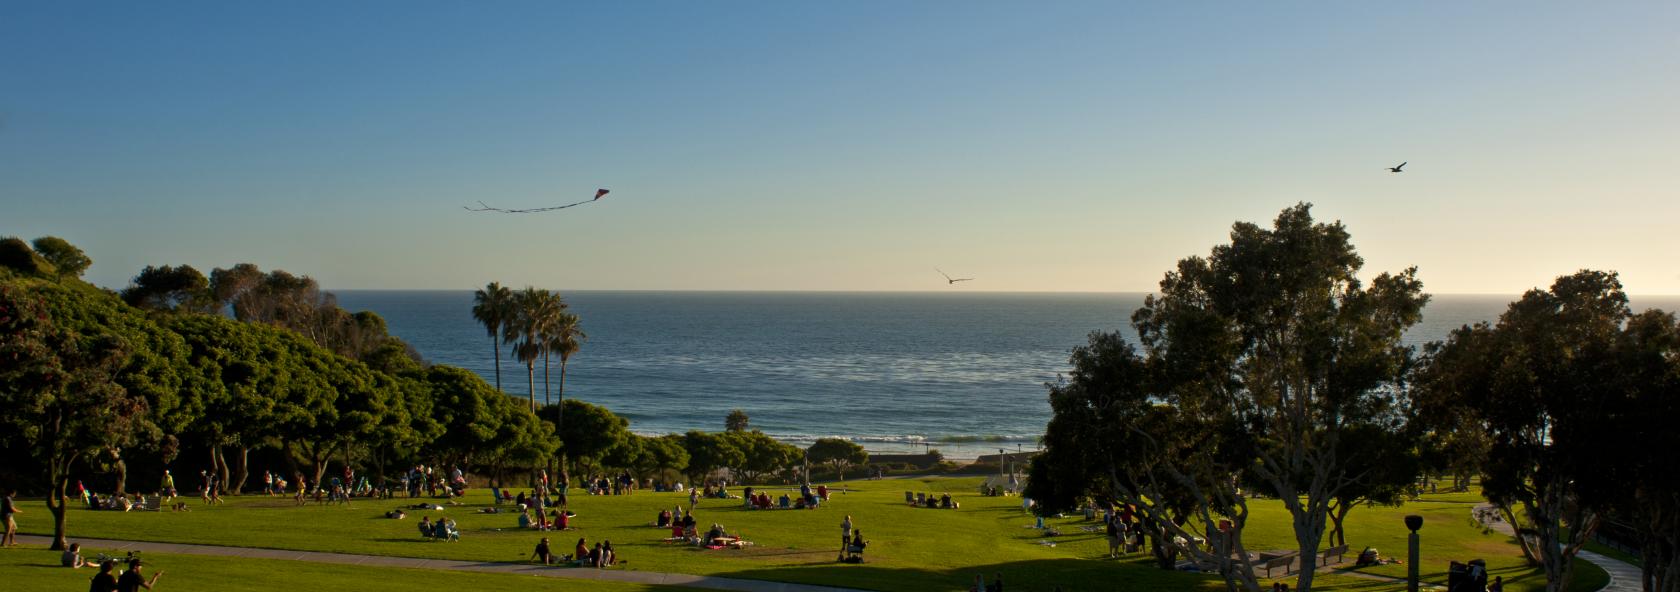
x=963 y=373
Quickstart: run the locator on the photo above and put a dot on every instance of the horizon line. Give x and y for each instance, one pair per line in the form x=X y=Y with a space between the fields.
x=933 y=291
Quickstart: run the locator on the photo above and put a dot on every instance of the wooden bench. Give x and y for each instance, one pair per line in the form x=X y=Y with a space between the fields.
x=1286 y=561
x=1339 y=551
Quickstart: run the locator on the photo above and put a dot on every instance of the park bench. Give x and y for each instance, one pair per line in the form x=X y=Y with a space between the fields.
x=1285 y=561
x=1339 y=551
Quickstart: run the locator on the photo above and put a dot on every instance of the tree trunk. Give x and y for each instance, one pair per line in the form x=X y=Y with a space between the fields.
x=122 y=474
x=1338 y=513
x=243 y=472
x=56 y=502
x=531 y=379
x=545 y=378
x=219 y=467
x=496 y=344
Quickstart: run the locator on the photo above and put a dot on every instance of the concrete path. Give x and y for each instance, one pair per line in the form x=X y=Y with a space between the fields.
x=571 y=573
x=1624 y=577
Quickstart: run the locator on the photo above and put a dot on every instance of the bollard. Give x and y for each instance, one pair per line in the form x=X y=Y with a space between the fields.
x=1413 y=522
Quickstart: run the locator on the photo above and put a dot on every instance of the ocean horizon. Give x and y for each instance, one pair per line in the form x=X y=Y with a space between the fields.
x=898 y=372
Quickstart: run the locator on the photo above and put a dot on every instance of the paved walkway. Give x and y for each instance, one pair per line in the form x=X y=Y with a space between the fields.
x=1624 y=577
x=571 y=573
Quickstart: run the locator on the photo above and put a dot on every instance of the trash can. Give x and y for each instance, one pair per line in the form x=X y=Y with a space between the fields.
x=1467 y=577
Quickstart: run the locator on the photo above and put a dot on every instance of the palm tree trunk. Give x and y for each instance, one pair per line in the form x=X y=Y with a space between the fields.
x=497 y=345
x=531 y=377
x=545 y=378
x=560 y=397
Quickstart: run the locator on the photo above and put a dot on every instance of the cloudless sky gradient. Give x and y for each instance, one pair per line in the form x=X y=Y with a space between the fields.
x=840 y=146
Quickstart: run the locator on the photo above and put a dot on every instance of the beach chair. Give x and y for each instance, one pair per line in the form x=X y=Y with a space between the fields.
x=909 y=497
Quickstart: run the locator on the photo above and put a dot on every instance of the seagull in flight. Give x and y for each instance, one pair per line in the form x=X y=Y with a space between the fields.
x=1396 y=169
x=952 y=280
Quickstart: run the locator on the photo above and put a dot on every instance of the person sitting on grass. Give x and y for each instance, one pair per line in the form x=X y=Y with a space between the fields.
x=542 y=553
x=785 y=502
x=106 y=579
x=664 y=519
x=945 y=500
x=580 y=554
x=822 y=492
x=562 y=520
x=133 y=580
x=426 y=526
x=447 y=530
x=72 y=557
x=594 y=556
x=677 y=531
x=608 y=556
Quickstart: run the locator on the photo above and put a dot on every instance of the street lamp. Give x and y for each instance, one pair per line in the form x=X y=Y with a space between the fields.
x=1413 y=523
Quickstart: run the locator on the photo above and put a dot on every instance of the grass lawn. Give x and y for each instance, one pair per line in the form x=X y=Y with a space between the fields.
x=911 y=548
x=35 y=570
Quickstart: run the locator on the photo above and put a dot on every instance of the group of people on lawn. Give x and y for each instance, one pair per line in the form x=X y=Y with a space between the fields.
x=927 y=500
x=602 y=555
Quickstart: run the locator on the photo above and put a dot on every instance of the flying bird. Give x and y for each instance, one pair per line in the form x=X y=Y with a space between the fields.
x=1396 y=169
x=952 y=280
x=483 y=207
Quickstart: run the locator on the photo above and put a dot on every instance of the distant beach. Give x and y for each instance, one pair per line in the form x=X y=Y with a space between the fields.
x=896 y=372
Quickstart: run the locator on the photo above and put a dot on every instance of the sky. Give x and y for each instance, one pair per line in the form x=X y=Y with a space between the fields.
x=1065 y=146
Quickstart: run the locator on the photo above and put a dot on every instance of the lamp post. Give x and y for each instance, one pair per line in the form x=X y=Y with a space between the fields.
x=1413 y=522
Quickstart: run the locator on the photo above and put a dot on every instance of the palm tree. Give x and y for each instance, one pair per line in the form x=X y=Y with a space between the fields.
x=567 y=339
x=546 y=314
x=492 y=307
x=523 y=332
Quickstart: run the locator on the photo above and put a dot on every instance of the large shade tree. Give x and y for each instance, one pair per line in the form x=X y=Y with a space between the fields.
x=1272 y=358
x=1550 y=382
x=62 y=395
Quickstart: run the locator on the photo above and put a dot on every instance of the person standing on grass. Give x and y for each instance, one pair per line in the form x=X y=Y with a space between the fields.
x=133 y=581
x=8 y=509
x=693 y=498
x=167 y=487
x=846 y=531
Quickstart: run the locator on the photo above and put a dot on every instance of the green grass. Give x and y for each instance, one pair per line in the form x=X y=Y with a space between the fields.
x=35 y=570
x=911 y=548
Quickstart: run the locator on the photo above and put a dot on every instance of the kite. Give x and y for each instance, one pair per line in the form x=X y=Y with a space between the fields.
x=483 y=207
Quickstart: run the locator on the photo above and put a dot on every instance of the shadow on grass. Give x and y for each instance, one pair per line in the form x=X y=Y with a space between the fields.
x=880 y=573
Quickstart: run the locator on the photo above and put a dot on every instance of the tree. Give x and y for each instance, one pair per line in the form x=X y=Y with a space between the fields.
x=589 y=432
x=169 y=288
x=838 y=453
x=61 y=394
x=1546 y=382
x=1111 y=437
x=546 y=311
x=18 y=257
x=736 y=422
x=708 y=453
x=493 y=307
x=565 y=339
x=69 y=261
x=664 y=453
x=1275 y=337
x=1650 y=499
x=524 y=330
x=760 y=455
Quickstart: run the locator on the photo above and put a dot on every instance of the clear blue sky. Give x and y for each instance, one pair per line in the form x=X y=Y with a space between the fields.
x=840 y=146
